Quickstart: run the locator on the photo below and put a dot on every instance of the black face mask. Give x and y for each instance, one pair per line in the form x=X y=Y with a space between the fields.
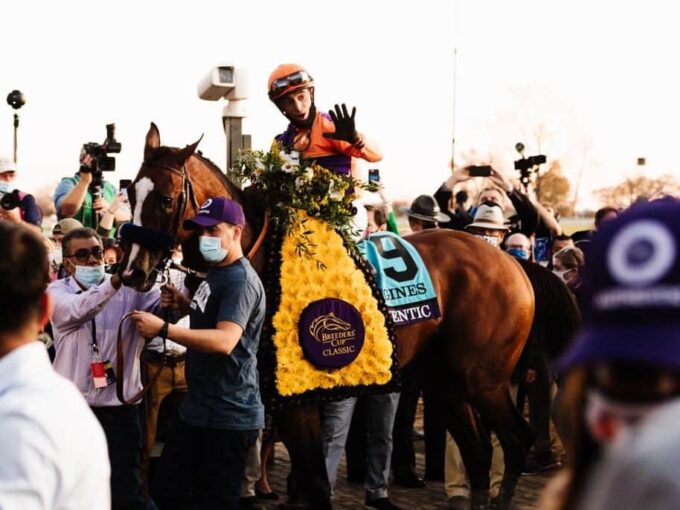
x=111 y=268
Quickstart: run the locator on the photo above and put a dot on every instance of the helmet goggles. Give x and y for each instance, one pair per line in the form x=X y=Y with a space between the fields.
x=281 y=86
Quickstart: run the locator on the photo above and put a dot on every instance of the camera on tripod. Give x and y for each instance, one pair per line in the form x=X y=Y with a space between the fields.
x=101 y=161
x=527 y=165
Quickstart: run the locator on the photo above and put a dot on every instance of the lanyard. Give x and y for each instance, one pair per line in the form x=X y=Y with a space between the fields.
x=95 y=346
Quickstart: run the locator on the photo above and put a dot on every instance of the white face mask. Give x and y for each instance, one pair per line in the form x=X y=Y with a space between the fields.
x=492 y=240
x=561 y=275
x=56 y=256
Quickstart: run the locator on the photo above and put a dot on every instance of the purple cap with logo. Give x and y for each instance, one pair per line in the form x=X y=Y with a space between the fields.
x=217 y=210
x=632 y=281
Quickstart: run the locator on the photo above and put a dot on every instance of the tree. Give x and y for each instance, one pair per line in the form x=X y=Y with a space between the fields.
x=552 y=188
x=634 y=189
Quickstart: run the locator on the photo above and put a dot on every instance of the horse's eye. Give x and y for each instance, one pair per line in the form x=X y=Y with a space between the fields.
x=167 y=202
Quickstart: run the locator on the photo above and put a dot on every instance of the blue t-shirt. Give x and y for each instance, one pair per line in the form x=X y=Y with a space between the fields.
x=224 y=391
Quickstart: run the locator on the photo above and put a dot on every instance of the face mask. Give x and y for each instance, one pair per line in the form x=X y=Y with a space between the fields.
x=518 y=253
x=607 y=418
x=57 y=256
x=4 y=187
x=211 y=249
x=560 y=275
x=492 y=240
x=89 y=276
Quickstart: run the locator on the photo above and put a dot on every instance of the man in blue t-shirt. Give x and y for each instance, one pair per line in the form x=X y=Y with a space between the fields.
x=222 y=412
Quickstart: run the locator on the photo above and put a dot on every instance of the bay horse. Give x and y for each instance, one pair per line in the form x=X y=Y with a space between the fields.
x=485 y=298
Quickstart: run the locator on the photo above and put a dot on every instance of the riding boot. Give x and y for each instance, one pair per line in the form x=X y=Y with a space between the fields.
x=507 y=491
x=479 y=500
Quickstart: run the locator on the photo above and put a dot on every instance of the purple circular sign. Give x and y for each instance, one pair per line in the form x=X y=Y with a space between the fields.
x=331 y=333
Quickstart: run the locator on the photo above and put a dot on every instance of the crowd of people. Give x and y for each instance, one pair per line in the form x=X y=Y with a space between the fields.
x=74 y=434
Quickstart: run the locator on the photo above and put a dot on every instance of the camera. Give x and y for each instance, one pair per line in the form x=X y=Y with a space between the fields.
x=527 y=165
x=10 y=200
x=101 y=161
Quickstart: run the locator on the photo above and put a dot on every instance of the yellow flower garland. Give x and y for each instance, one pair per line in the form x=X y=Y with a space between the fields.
x=302 y=282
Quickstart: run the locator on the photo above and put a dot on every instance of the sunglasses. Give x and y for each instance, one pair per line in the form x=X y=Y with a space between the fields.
x=83 y=255
x=291 y=80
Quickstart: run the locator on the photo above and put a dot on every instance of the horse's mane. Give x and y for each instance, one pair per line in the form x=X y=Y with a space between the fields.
x=557 y=316
x=234 y=191
x=248 y=200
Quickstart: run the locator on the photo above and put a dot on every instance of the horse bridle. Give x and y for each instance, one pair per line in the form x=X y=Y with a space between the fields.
x=188 y=196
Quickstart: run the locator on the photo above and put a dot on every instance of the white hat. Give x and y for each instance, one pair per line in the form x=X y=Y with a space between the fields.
x=7 y=165
x=489 y=216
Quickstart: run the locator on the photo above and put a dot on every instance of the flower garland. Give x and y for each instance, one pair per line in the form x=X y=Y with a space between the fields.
x=289 y=184
x=301 y=282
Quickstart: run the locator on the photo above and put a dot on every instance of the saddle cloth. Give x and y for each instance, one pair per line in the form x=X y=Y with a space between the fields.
x=330 y=335
x=402 y=278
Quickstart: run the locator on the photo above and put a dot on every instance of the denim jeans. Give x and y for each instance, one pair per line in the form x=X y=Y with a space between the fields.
x=123 y=432
x=202 y=468
x=337 y=416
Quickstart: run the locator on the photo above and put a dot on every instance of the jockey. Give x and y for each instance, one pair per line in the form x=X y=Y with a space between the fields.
x=329 y=138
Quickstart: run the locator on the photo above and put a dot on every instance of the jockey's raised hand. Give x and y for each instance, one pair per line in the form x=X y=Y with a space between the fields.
x=345 y=128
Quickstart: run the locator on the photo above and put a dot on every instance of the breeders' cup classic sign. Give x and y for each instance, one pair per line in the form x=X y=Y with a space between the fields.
x=331 y=333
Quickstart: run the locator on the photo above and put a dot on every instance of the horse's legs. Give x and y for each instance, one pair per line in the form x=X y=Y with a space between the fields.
x=474 y=444
x=514 y=433
x=300 y=430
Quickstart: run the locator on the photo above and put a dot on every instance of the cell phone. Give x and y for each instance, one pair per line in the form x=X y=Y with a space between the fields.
x=374 y=175
x=479 y=171
x=124 y=183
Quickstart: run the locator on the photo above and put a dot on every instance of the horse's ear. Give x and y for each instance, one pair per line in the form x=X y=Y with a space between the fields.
x=153 y=140
x=186 y=153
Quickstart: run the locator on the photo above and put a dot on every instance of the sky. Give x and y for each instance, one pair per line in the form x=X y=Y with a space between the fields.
x=591 y=84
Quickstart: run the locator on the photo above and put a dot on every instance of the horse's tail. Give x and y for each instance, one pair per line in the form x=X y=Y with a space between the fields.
x=557 y=317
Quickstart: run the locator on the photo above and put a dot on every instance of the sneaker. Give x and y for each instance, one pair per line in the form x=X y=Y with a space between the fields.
x=381 y=504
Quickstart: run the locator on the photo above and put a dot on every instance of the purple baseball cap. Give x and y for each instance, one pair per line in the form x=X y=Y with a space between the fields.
x=632 y=282
x=217 y=210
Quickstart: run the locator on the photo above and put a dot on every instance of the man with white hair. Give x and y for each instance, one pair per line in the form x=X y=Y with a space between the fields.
x=16 y=206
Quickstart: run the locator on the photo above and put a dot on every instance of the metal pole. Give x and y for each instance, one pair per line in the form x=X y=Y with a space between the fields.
x=455 y=81
x=16 y=127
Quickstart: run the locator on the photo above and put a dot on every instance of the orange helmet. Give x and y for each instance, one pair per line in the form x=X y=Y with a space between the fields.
x=286 y=78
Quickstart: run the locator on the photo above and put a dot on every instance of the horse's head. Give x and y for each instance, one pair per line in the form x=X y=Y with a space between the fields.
x=161 y=197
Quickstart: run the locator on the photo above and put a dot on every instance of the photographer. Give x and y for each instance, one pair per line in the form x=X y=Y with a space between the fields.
x=530 y=216
x=79 y=197
x=89 y=306
x=16 y=206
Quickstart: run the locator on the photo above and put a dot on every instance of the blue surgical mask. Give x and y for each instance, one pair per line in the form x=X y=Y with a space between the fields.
x=89 y=276
x=4 y=187
x=211 y=249
x=518 y=253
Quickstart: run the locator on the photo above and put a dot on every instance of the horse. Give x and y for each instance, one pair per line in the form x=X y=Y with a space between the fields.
x=485 y=298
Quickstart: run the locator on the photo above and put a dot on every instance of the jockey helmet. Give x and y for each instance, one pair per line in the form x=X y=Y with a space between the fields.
x=287 y=78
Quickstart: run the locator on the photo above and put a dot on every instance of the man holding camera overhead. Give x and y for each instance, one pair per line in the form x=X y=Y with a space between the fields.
x=16 y=206
x=88 y=197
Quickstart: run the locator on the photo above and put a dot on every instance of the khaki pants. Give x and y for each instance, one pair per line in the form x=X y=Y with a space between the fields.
x=171 y=379
x=456 y=481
